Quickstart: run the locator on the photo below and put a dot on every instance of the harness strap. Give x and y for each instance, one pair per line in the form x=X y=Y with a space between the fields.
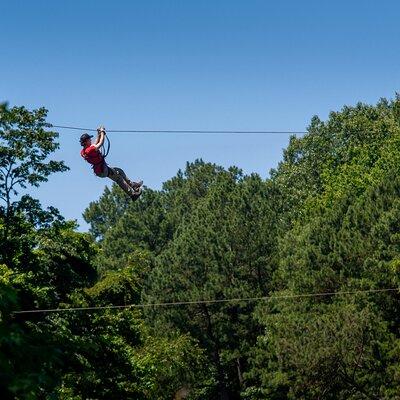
x=105 y=152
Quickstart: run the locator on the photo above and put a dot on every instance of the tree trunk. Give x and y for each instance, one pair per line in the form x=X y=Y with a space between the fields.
x=222 y=389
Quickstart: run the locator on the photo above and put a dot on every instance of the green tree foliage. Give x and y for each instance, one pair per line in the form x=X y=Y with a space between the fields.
x=352 y=150
x=151 y=223
x=200 y=224
x=24 y=148
x=211 y=258
x=324 y=221
x=340 y=348
x=110 y=353
x=9 y=334
x=105 y=213
x=335 y=351
x=56 y=265
x=327 y=220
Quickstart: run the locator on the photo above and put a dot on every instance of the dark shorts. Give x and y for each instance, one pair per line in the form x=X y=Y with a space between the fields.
x=104 y=173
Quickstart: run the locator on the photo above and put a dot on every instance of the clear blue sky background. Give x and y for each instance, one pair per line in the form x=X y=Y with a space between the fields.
x=258 y=65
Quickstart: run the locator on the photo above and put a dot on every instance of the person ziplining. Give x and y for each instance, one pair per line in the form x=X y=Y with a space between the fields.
x=93 y=155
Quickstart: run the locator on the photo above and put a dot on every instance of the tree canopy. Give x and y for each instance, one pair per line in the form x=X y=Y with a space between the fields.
x=326 y=220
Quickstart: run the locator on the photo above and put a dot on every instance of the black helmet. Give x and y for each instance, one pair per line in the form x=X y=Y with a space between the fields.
x=84 y=137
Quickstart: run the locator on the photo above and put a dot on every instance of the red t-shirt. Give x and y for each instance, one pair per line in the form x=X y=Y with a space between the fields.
x=94 y=157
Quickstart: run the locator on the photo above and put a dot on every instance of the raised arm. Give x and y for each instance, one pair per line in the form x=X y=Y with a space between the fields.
x=101 y=132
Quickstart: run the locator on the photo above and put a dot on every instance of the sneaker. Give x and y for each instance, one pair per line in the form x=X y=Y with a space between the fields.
x=136 y=194
x=135 y=185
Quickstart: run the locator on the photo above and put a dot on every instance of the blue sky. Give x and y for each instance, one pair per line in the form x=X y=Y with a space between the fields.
x=257 y=65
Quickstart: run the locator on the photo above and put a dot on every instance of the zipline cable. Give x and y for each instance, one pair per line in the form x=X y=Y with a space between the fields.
x=205 y=132
x=189 y=131
x=215 y=301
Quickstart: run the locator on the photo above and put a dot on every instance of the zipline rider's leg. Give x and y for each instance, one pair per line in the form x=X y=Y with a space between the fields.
x=135 y=185
x=120 y=178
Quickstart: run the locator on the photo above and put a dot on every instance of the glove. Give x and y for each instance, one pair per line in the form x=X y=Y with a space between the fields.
x=101 y=129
